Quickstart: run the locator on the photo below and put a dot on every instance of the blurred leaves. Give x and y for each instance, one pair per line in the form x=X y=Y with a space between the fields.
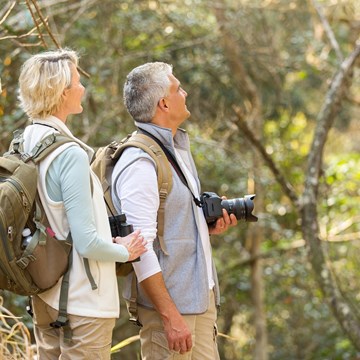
x=290 y=59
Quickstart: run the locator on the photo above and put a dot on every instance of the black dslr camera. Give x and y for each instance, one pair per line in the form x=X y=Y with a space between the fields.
x=119 y=227
x=212 y=206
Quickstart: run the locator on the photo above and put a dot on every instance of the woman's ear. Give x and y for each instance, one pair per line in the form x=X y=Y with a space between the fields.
x=64 y=94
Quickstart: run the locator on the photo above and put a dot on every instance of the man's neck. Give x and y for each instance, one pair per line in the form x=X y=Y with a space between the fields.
x=165 y=124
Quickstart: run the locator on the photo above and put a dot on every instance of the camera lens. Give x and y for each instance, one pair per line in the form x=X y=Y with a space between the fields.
x=241 y=207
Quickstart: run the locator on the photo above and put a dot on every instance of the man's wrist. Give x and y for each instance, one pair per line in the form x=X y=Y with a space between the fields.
x=168 y=313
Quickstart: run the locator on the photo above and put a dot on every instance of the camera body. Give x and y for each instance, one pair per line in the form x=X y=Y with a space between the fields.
x=242 y=208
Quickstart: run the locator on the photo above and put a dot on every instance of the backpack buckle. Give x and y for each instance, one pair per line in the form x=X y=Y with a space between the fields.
x=50 y=139
x=58 y=324
x=16 y=145
x=163 y=193
x=25 y=157
x=134 y=321
x=17 y=141
x=23 y=262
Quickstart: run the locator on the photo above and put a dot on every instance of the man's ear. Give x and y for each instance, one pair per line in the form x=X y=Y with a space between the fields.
x=163 y=104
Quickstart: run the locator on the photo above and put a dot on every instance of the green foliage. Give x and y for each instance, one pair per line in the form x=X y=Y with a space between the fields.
x=286 y=53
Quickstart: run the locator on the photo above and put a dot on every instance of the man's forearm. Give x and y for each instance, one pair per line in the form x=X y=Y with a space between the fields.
x=176 y=329
x=155 y=289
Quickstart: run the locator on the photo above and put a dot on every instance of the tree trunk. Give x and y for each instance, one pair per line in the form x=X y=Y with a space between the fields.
x=342 y=310
x=256 y=235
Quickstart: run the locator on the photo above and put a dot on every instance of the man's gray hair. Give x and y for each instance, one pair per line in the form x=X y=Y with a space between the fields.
x=144 y=87
x=42 y=81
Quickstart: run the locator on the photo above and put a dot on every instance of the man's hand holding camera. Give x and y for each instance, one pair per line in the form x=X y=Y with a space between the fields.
x=221 y=213
x=222 y=223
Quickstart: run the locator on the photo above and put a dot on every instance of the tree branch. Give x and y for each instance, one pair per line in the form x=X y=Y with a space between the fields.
x=287 y=187
x=46 y=25
x=234 y=56
x=43 y=20
x=344 y=237
x=19 y=36
x=325 y=119
x=36 y=23
x=328 y=31
x=8 y=12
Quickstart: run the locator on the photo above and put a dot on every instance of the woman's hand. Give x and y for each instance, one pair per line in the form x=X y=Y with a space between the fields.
x=134 y=242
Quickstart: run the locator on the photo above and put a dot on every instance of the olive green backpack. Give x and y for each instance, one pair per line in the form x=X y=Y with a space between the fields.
x=103 y=165
x=38 y=267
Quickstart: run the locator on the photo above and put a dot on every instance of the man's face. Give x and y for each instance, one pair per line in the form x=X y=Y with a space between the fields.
x=176 y=101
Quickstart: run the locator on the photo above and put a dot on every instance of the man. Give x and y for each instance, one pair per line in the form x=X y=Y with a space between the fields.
x=181 y=284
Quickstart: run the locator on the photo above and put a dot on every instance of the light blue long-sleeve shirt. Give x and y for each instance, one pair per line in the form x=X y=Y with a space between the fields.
x=68 y=180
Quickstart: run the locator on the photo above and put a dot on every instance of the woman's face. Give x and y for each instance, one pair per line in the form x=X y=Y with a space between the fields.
x=73 y=95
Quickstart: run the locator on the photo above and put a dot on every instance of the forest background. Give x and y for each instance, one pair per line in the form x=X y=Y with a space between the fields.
x=274 y=91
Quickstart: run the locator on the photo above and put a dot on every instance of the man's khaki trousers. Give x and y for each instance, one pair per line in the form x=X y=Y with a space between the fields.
x=154 y=345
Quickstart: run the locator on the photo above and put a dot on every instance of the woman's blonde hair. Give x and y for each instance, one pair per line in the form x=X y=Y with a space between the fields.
x=42 y=81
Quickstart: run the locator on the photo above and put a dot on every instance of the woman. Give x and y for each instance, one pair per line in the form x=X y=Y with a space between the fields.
x=50 y=91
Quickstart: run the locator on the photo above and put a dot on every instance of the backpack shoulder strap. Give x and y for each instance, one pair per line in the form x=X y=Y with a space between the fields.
x=41 y=150
x=148 y=145
x=47 y=145
x=102 y=165
x=164 y=175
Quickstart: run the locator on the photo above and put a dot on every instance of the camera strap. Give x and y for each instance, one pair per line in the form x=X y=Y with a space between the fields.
x=174 y=164
x=109 y=207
